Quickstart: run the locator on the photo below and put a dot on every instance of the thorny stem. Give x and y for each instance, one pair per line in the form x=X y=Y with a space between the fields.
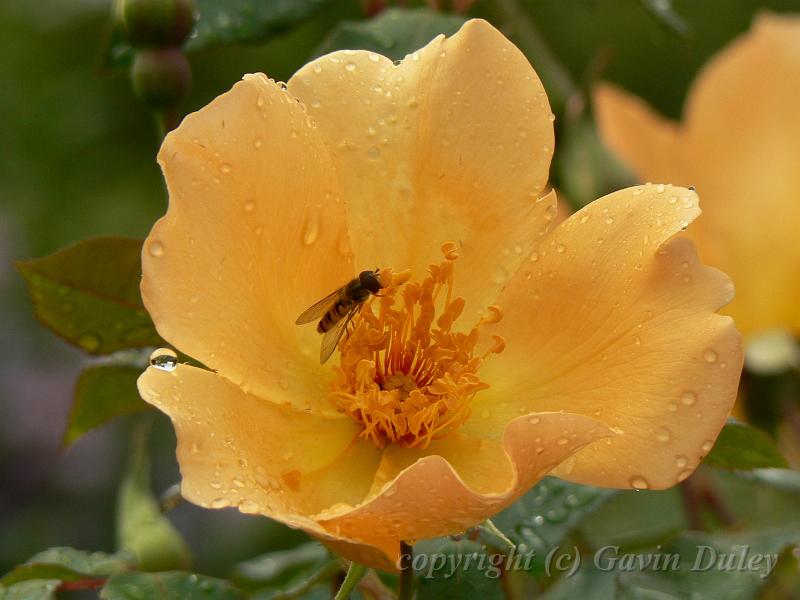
x=90 y=583
x=405 y=590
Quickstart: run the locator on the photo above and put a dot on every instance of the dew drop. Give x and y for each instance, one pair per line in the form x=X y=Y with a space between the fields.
x=258 y=142
x=562 y=441
x=683 y=475
x=156 y=249
x=550 y=212
x=237 y=482
x=710 y=356
x=534 y=420
x=660 y=188
x=350 y=67
x=681 y=462
x=639 y=483
x=248 y=507
x=688 y=398
x=225 y=168
x=638 y=191
x=89 y=342
x=561 y=248
x=164 y=359
x=310 y=230
x=219 y=503
x=584 y=218
x=317 y=69
x=663 y=435
x=707 y=445
x=374 y=152
x=249 y=206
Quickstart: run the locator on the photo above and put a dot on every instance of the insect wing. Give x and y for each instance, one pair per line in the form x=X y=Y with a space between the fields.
x=315 y=311
x=331 y=338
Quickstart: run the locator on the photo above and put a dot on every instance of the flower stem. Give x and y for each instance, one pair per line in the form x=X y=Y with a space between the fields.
x=405 y=590
x=354 y=574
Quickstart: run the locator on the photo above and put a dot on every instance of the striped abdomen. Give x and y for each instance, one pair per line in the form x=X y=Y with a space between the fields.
x=335 y=314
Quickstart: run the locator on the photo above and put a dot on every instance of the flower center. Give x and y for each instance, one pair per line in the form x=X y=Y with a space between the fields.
x=404 y=375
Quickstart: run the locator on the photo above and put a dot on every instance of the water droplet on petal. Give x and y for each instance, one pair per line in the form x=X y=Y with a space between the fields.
x=258 y=142
x=249 y=206
x=374 y=152
x=683 y=475
x=534 y=420
x=164 y=359
x=663 y=435
x=156 y=249
x=561 y=248
x=639 y=483
x=681 y=461
x=707 y=446
x=688 y=398
x=220 y=503
x=562 y=441
x=310 y=230
x=225 y=168
x=248 y=507
x=710 y=356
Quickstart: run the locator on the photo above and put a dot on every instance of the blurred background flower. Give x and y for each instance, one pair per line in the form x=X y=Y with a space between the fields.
x=78 y=153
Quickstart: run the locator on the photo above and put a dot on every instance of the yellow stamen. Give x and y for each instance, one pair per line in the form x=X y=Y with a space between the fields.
x=404 y=375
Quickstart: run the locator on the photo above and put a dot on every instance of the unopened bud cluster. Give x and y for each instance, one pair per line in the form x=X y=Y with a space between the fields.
x=157 y=29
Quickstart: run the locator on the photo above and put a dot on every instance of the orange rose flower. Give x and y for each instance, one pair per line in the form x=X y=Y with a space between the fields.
x=502 y=349
x=738 y=144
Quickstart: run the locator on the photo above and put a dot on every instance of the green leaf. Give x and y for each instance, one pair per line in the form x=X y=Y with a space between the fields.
x=88 y=294
x=141 y=528
x=169 y=586
x=742 y=447
x=236 y=21
x=545 y=516
x=723 y=565
x=228 y=22
x=459 y=569
x=394 y=33
x=35 y=589
x=102 y=393
x=587 y=582
x=281 y=566
x=67 y=564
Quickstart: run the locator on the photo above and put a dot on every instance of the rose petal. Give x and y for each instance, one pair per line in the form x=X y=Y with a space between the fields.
x=616 y=321
x=235 y=449
x=255 y=233
x=453 y=144
x=738 y=146
x=430 y=498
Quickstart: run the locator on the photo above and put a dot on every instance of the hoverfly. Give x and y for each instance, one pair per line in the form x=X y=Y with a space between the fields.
x=338 y=308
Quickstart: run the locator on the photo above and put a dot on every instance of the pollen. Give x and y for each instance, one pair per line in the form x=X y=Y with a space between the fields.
x=406 y=375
